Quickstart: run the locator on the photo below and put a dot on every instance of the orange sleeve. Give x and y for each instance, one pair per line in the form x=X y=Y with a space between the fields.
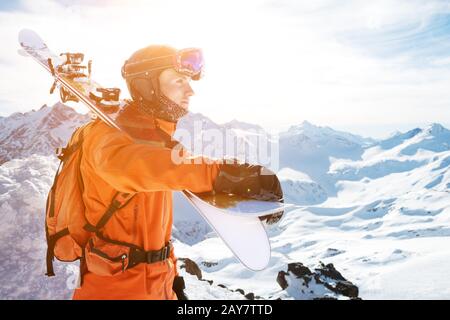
x=135 y=167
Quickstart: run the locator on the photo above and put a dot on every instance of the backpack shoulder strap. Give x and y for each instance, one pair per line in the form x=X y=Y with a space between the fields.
x=119 y=200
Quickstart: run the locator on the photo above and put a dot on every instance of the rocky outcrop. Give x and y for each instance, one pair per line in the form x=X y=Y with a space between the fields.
x=299 y=282
x=191 y=267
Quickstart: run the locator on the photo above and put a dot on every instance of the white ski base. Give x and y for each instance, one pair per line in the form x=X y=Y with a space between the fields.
x=245 y=236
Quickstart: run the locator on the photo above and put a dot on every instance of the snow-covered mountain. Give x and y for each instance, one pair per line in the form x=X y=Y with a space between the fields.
x=37 y=132
x=310 y=149
x=434 y=138
x=401 y=153
x=326 y=135
x=378 y=211
x=200 y=135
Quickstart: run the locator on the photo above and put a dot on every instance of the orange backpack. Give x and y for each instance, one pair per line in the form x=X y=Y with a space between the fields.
x=65 y=224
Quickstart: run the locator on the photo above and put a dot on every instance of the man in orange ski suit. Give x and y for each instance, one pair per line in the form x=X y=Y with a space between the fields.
x=158 y=78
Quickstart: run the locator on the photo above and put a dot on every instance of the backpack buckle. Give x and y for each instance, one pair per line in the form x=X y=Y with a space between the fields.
x=156 y=256
x=164 y=253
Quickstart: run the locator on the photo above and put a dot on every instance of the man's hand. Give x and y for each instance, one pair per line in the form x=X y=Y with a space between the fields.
x=250 y=181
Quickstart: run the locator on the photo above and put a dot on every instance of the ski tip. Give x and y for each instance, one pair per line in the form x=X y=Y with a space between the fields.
x=30 y=38
x=23 y=34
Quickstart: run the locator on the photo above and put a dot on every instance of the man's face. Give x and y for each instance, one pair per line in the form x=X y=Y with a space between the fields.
x=176 y=87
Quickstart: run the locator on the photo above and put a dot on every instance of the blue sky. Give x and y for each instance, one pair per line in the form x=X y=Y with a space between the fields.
x=10 y=5
x=365 y=67
x=423 y=41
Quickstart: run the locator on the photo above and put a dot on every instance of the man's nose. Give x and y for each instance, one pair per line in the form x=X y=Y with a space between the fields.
x=189 y=91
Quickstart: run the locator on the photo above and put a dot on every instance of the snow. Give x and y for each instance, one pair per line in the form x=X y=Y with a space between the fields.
x=378 y=210
x=189 y=226
x=299 y=188
x=24 y=184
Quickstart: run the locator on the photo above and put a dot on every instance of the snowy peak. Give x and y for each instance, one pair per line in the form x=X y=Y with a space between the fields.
x=436 y=129
x=188 y=122
x=37 y=131
x=433 y=137
x=235 y=124
x=322 y=142
x=56 y=116
x=398 y=138
x=326 y=134
x=304 y=126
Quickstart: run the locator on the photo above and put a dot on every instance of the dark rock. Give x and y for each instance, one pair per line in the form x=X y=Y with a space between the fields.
x=250 y=296
x=209 y=264
x=342 y=286
x=325 y=298
x=329 y=271
x=240 y=291
x=209 y=281
x=325 y=275
x=347 y=288
x=298 y=269
x=191 y=267
x=222 y=286
x=317 y=278
x=281 y=279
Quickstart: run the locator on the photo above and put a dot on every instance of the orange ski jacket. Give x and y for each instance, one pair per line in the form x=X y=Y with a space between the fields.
x=112 y=162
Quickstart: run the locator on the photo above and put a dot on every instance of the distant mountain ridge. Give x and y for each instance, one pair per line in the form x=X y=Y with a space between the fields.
x=37 y=131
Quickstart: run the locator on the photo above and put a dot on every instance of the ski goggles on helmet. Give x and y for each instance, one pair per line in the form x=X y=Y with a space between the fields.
x=186 y=61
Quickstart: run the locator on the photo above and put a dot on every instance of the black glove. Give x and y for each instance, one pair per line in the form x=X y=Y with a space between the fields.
x=249 y=181
x=178 y=287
